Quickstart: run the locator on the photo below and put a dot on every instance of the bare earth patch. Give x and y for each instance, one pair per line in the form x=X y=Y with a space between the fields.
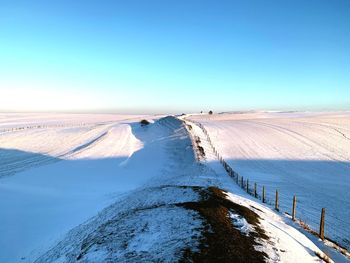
x=221 y=241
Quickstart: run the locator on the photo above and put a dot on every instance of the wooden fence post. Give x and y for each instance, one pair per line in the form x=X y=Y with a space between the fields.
x=263 y=195
x=276 y=201
x=247 y=186
x=322 y=223
x=255 y=193
x=294 y=207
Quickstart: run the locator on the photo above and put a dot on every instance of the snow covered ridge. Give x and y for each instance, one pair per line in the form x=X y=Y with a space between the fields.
x=183 y=223
x=137 y=193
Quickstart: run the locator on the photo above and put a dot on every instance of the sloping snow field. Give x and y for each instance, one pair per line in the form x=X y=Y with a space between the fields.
x=303 y=154
x=58 y=174
x=102 y=188
x=29 y=140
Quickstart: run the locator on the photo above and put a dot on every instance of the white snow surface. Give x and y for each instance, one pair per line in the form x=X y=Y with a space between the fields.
x=53 y=178
x=284 y=240
x=108 y=192
x=299 y=153
x=240 y=223
x=286 y=244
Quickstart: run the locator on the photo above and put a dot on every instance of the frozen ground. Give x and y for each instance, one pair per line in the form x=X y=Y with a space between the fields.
x=93 y=191
x=301 y=153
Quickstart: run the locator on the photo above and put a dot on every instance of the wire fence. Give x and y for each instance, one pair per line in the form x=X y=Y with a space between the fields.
x=333 y=229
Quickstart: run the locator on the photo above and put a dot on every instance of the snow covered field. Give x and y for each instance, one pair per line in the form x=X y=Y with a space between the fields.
x=306 y=154
x=59 y=173
x=34 y=139
x=97 y=188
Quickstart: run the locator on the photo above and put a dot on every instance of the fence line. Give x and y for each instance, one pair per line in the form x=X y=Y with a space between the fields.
x=260 y=193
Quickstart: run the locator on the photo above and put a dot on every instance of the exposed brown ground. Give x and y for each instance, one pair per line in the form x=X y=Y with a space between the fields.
x=221 y=241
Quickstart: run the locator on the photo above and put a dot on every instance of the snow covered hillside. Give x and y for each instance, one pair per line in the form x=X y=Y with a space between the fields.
x=306 y=154
x=59 y=173
x=29 y=140
x=116 y=191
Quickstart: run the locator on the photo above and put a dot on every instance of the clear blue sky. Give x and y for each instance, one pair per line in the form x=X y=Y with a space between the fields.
x=174 y=55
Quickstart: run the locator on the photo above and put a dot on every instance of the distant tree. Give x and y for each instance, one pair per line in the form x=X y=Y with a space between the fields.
x=144 y=122
x=210 y=112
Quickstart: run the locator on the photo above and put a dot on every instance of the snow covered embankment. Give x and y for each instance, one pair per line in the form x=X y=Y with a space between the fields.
x=182 y=214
